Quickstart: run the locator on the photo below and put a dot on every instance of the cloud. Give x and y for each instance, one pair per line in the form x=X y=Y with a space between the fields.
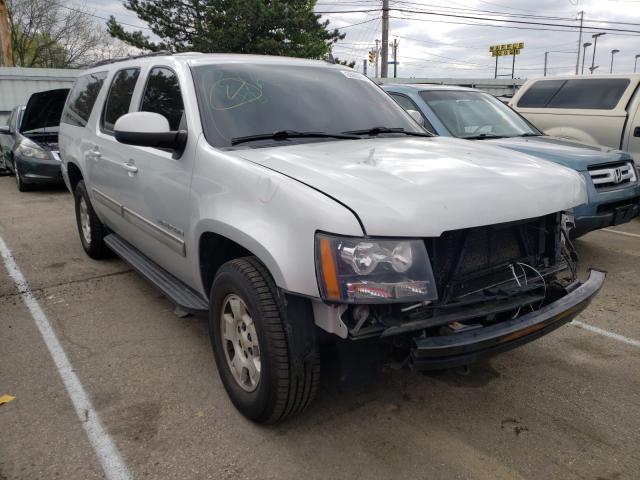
x=439 y=46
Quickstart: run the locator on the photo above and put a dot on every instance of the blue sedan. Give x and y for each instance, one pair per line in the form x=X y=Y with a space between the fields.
x=610 y=175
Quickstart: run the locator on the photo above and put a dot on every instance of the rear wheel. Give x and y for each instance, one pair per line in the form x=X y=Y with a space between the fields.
x=90 y=228
x=249 y=342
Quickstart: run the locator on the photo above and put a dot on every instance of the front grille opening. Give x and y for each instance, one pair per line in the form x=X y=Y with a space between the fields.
x=468 y=260
x=610 y=207
x=612 y=174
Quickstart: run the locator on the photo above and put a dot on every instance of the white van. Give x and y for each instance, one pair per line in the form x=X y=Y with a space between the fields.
x=595 y=109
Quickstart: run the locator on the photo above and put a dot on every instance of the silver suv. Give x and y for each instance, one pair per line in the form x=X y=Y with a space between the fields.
x=308 y=215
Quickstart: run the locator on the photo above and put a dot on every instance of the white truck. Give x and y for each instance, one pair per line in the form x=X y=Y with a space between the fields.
x=594 y=109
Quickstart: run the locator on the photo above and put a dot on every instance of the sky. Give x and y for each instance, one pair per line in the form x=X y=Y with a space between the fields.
x=436 y=46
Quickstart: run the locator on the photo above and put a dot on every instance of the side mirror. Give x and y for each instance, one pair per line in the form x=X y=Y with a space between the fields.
x=147 y=129
x=417 y=116
x=4 y=130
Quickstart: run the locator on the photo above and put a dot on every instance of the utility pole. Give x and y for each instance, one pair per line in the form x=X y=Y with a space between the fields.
x=377 y=57
x=579 y=41
x=385 y=39
x=546 y=54
x=635 y=64
x=513 y=65
x=496 y=74
x=395 y=58
x=364 y=67
x=5 y=35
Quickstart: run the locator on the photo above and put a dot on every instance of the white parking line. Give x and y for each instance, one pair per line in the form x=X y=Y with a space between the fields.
x=112 y=463
x=611 y=230
x=607 y=333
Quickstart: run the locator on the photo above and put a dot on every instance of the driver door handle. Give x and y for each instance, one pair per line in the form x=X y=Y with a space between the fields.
x=94 y=153
x=130 y=167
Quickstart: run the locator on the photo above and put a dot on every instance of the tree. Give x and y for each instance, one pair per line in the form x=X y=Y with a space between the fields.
x=48 y=33
x=270 y=27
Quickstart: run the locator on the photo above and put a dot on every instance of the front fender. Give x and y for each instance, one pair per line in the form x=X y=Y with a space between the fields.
x=273 y=216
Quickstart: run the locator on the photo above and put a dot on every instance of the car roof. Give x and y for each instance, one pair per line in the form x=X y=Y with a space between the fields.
x=632 y=76
x=196 y=59
x=422 y=87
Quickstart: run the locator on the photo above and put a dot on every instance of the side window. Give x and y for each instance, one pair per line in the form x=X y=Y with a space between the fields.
x=10 y=119
x=82 y=98
x=597 y=93
x=162 y=95
x=408 y=104
x=119 y=98
x=539 y=94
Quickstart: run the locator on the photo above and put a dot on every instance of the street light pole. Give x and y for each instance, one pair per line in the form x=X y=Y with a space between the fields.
x=584 y=46
x=595 y=44
x=613 y=52
x=635 y=64
x=546 y=54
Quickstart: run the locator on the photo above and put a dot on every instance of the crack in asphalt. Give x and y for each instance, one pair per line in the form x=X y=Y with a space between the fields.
x=62 y=284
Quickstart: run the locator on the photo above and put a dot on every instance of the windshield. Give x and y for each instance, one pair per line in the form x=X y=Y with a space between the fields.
x=239 y=100
x=476 y=115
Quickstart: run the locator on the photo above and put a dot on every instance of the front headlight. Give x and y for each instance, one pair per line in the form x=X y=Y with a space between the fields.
x=29 y=149
x=369 y=270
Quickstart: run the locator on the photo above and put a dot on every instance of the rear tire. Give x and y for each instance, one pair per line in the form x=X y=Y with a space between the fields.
x=90 y=228
x=244 y=299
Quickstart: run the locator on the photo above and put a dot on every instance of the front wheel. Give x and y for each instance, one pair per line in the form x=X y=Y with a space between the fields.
x=249 y=341
x=90 y=228
x=22 y=187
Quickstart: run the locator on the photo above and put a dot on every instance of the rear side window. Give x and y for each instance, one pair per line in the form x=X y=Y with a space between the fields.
x=162 y=95
x=539 y=94
x=119 y=98
x=82 y=98
x=596 y=94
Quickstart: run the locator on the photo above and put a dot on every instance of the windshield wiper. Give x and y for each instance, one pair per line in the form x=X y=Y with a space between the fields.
x=483 y=136
x=284 y=134
x=531 y=135
x=378 y=130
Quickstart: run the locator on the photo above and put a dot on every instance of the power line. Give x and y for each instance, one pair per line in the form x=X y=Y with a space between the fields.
x=473 y=17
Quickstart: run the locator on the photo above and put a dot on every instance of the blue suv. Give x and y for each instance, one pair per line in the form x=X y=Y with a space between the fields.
x=610 y=175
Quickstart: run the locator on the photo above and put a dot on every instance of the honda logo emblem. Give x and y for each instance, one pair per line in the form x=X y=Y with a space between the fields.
x=617 y=175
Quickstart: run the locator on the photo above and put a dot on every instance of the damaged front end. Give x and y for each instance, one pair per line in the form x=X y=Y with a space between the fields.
x=495 y=288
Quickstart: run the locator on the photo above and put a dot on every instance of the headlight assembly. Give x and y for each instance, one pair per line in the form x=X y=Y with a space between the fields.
x=369 y=270
x=29 y=149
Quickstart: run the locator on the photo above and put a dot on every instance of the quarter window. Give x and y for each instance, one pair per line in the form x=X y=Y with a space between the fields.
x=119 y=98
x=162 y=95
x=82 y=98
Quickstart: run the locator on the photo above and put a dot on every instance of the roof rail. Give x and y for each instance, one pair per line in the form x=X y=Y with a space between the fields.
x=130 y=57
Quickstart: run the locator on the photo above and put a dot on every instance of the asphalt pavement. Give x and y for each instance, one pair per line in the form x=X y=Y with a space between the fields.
x=564 y=407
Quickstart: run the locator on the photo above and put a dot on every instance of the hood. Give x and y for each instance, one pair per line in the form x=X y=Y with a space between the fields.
x=44 y=110
x=421 y=187
x=559 y=150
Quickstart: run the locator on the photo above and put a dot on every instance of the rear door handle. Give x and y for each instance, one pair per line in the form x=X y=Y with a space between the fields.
x=130 y=167
x=636 y=132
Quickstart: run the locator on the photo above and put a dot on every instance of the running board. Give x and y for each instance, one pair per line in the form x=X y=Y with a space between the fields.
x=176 y=291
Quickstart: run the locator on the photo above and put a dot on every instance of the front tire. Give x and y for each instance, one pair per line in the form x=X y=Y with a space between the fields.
x=249 y=340
x=22 y=187
x=90 y=228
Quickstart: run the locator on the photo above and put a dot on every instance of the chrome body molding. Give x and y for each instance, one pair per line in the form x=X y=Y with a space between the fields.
x=165 y=237
x=107 y=201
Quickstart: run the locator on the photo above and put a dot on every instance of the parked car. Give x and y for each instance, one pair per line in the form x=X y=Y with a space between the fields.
x=594 y=109
x=300 y=208
x=611 y=179
x=29 y=140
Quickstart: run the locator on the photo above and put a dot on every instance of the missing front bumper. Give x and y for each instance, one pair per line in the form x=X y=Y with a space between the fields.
x=440 y=352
